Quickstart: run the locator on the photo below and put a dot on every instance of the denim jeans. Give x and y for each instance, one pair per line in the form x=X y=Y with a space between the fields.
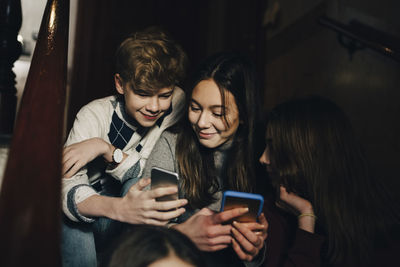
x=82 y=243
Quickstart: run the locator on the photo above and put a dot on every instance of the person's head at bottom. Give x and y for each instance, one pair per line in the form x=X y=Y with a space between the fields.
x=155 y=246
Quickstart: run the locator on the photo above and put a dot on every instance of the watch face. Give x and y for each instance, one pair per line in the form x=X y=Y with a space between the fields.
x=117 y=155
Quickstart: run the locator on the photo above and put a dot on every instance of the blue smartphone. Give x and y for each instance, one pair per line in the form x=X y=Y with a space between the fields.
x=235 y=199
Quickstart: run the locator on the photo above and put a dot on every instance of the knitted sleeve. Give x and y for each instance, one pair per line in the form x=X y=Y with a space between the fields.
x=91 y=121
x=163 y=155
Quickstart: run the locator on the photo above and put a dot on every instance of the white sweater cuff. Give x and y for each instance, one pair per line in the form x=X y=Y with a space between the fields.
x=119 y=172
x=76 y=195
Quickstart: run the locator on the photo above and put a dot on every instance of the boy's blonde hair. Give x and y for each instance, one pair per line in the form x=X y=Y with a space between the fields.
x=150 y=60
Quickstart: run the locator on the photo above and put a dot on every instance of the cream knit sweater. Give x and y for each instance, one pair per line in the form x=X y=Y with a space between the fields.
x=96 y=120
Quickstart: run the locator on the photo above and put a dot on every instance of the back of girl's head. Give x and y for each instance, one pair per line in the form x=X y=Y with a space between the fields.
x=315 y=154
x=151 y=60
x=309 y=137
x=145 y=244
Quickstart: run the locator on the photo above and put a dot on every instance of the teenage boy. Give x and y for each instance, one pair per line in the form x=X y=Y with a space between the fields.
x=110 y=142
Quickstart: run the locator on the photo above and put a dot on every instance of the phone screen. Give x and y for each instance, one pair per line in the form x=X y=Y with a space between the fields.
x=164 y=178
x=254 y=202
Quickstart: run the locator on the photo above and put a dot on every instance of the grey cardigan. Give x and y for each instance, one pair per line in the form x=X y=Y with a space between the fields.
x=163 y=156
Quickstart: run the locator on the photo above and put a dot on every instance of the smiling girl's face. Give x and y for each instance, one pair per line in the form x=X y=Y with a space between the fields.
x=213 y=122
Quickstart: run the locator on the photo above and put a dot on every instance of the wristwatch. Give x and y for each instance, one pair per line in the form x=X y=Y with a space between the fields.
x=117 y=156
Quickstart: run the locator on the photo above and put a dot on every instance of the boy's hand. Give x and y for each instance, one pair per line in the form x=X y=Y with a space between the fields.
x=248 y=238
x=205 y=228
x=139 y=206
x=79 y=154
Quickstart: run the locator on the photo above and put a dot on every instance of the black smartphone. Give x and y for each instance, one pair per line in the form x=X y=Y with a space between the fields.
x=164 y=178
x=235 y=199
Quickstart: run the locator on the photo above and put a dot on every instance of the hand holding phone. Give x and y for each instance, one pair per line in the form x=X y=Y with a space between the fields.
x=235 y=199
x=164 y=178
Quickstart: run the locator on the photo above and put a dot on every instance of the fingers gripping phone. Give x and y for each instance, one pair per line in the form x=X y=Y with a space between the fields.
x=164 y=178
x=235 y=199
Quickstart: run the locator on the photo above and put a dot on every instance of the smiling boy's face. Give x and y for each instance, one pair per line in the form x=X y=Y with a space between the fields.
x=146 y=107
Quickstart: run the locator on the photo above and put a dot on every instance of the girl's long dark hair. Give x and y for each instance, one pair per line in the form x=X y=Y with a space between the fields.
x=316 y=155
x=235 y=73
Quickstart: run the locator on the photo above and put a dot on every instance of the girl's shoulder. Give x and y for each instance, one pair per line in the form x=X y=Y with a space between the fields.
x=169 y=136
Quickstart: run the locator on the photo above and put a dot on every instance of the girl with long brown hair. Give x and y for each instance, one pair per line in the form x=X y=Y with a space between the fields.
x=322 y=175
x=214 y=152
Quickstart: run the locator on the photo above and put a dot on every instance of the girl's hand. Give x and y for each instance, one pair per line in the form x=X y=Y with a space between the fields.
x=248 y=238
x=206 y=230
x=139 y=206
x=79 y=154
x=302 y=207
